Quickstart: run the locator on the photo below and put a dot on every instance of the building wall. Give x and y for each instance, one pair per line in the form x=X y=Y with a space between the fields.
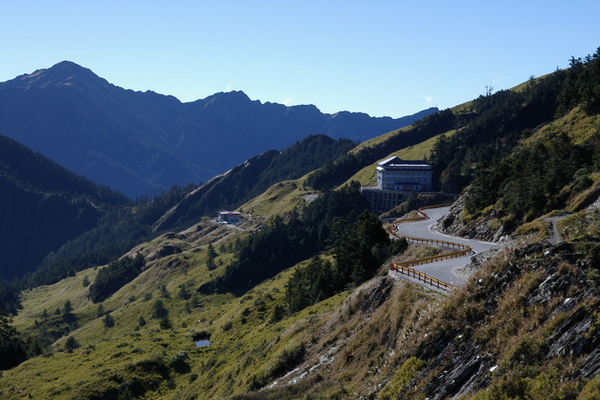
x=396 y=178
x=417 y=179
x=383 y=200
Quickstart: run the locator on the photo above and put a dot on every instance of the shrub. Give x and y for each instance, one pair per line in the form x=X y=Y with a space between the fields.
x=159 y=310
x=71 y=344
x=108 y=321
x=179 y=362
x=227 y=326
x=277 y=314
x=165 y=323
x=115 y=276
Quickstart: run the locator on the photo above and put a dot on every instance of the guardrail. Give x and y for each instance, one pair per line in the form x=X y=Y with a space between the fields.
x=413 y=273
x=404 y=266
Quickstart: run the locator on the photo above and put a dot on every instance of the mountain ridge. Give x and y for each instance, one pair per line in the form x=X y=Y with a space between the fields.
x=142 y=143
x=42 y=206
x=525 y=325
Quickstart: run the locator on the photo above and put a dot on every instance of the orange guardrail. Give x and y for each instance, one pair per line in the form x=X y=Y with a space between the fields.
x=413 y=273
x=404 y=266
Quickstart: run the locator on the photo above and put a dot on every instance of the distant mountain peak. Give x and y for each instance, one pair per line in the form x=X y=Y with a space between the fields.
x=63 y=73
x=230 y=97
x=139 y=142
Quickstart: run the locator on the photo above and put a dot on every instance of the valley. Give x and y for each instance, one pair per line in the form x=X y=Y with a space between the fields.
x=297 y=301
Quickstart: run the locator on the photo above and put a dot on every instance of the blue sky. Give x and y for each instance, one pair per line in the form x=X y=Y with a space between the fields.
x=385 y=58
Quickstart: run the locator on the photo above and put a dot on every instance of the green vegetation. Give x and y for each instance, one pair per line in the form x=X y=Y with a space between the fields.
x=250 y=179
x=291 y=301
x=358 y=250
x=512 y=166
x=284 y=363
x=114 y=276
x=12 y=348
x=280 y=245
x=120 y=229
x=9 y=298
x=526 y=183
x=44 y=206
x=335 y=173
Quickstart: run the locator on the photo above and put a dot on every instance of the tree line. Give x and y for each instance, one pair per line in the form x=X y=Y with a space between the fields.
x=358 y=250
x=281 y=243
x=523 y=179
x=114 y=276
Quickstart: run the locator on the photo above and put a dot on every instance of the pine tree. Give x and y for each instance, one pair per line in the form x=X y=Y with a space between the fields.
x=211 y=254
x=108 y=321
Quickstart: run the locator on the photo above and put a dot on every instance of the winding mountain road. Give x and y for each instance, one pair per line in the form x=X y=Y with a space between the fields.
x=443 y=270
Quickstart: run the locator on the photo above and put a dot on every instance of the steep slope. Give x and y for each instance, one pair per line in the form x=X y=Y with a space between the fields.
x=525 y=326
x=254 y=176
x=42 y=206
x=69 y=223
x=140 y=143
x=110 y=135
x=544 y=142
x=336 y=173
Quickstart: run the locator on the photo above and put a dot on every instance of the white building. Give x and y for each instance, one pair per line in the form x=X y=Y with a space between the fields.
x=403 y=175
x=396 y=178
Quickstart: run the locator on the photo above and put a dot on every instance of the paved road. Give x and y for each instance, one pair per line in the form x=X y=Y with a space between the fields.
x=442 y=270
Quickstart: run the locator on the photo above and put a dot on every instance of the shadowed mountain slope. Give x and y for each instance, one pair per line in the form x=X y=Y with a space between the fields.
x=42 y=205
x=142 y=143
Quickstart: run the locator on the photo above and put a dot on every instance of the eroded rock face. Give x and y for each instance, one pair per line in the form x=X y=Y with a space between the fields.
x=485 y=228
x=377 y=295
x=558 y=294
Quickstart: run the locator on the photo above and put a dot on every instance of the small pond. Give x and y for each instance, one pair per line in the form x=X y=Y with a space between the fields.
x=201 y=338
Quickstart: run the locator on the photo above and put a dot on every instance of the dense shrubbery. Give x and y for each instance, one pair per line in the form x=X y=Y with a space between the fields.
x=280 y=245
x=338 y=219
x=12 y=348
x=9 y=298
x=358 y=249
x=500 y=120
x=582 y=84
x=526 y=182
x=114 y=276
x=524 y=179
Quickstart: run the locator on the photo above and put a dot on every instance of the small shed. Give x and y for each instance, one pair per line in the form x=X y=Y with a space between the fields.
x=229 y=217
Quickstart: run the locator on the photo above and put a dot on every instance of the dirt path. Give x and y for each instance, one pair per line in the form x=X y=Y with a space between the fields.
x=555 y=236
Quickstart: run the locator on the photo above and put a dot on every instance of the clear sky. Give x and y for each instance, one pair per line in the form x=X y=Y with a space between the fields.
x=385 y=58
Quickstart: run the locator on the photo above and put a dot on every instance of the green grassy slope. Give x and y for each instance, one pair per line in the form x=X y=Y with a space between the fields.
x=143 y=355
x=526 y=324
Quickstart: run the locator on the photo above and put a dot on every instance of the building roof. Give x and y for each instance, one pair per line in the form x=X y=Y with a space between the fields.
x=395 y=161
x=224 y=212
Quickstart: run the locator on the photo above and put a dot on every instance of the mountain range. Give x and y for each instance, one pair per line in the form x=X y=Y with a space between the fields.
x=61 y=222
x=297 y=301
x=143 y=143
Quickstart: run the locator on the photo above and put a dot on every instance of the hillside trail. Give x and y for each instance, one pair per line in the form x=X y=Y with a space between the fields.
x=439 y=272
x=555 y=236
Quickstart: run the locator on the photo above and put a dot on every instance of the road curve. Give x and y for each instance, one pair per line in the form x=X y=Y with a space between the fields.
x=443 y=270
